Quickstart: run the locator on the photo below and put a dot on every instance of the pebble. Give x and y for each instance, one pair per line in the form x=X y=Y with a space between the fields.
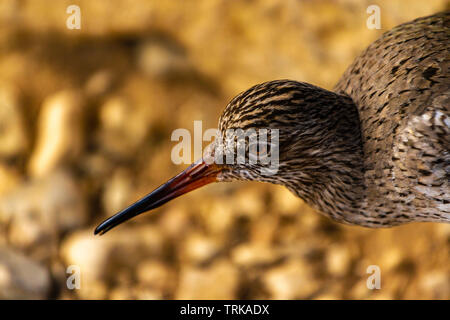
x=100 y=83
x=218 y=281
x=10 y=178
x=123 y=125
x=436 y=285
x=338 y=260
x=294 y=279
x=198 y=248
x=254 y=254
x=162 y=59
x=21 y=277
x=155 y=274
x=39 y=211
x=13 y=135
x=59 y=132
x=102 y=257
x=286 y=202
x=117 y=191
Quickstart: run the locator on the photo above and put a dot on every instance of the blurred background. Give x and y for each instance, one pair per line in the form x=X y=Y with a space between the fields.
x=85 y=123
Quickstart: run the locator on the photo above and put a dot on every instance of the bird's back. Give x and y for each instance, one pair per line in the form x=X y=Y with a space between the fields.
x=401 y=87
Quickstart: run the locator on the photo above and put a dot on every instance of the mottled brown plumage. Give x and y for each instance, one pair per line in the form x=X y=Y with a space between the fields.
x=401 y=86
x=375 y=152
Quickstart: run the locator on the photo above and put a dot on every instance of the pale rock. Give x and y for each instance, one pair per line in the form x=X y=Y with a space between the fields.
x=21 y=277
x=436 y=285
x=198 y=248
x=443 y=230
x=254 y=254
x=117 y=191
x=102 y=257
x=99 y=83
x=391 y=258
x=217 y=281
x=13 y=135
x=87 y=252
x=97 y=167
x=293 y=279
x=264 y=229
x=121 y=293
x=123 y=125
x=135 y=293
x=377 y=295
x=42 y=209
x=310 y=219
x=360 y=289
x=60 y=133
x=327 y=296
x=217 y=215
x=113 y=112
x=162 y=59
x=144 y=293
x=338 y=260
x=92 y=290
x=175 y=221
x=286 y=202
x=331 y=291
x=9 y=179
x=249 y=202
x=155 y=274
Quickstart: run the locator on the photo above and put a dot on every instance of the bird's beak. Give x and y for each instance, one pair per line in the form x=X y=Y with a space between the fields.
x=195 y=176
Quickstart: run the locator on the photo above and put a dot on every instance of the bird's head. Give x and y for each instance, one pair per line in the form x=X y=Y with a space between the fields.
x=277 y=131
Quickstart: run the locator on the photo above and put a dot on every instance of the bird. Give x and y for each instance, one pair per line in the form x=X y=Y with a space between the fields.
x=373 y=152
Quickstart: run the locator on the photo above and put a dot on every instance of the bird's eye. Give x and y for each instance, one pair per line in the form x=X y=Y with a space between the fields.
x=262 y=148
x=257 y=151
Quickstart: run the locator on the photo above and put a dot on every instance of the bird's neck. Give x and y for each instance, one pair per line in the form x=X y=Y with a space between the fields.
x=330 y=174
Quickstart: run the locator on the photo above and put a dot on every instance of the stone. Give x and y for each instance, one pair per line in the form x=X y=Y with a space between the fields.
x=59 y=132
x=286 y=202
x=159 y=58
x=155 y=274
x=436 y=285
x=100 y=83
x=218 y=281
x=10 y=178
x=217 y=215
x=338 y=260
x=13 y=136
x=40 y=210
x=391 y=258
x=294 y=279
x=21 y=277
x=89 y=253
x=264 y=229
x=121 y=293
x=92 y=290
x=123 y=125
x=254 y=254
x=175 y=222
x=249 y=202
x=198 y=248
x=103 y=257
x=135 y=293
x=117 y=190
x=144 y=293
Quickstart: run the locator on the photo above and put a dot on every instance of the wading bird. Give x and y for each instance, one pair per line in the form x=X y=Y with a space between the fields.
x=373 y=152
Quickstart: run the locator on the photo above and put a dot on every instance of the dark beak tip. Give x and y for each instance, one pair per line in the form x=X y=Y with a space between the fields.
x=97 y=231
x=197 y=175
x=101 y=229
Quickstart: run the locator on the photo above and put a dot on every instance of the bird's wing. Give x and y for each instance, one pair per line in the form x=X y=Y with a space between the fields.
x=423 y=152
